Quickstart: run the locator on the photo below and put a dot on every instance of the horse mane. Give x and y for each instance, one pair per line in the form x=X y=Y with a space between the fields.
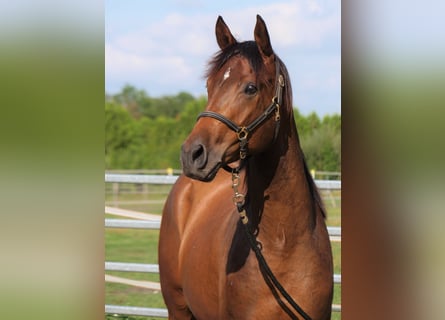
x=314 y=190
x=287 y=104
x=249 y=50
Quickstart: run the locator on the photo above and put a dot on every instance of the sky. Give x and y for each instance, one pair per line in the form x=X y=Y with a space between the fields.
x=163 y=47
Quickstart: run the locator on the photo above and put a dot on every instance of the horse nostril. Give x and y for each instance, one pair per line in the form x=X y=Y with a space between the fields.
x=199 y=156
x=197 y=152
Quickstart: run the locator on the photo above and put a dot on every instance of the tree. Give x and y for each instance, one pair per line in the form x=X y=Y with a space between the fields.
x=132 y=99
x=119 y=132
x=170 y=106
x=322 y=145
x=144 y=132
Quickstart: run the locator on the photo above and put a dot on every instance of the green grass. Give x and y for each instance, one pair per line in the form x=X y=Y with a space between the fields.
x=140 y=246
x=332 y=201
x=132 y=245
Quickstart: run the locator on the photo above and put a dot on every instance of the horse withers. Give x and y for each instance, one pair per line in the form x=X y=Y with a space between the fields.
x=243 y=156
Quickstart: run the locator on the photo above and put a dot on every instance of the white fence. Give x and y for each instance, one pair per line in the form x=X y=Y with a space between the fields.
x=148 y=221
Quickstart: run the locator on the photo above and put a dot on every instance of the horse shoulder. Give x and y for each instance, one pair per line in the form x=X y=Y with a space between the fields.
x=177 y=205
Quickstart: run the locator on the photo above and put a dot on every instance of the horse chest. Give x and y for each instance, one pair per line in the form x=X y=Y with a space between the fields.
x=247 y=295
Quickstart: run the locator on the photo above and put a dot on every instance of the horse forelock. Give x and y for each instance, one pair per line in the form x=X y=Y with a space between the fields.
x=247 y=49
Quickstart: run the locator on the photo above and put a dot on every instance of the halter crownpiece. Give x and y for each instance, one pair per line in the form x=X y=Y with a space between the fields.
x=243 y=132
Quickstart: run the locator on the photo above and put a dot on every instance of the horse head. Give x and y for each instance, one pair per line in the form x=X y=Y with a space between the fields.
x=244 y=87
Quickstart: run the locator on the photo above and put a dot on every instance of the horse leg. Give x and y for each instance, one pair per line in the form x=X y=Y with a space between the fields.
x=176 y=305
x=172 y=292
x=171 y=287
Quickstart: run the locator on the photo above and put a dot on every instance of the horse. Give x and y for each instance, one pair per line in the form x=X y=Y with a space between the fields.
x=245 y=196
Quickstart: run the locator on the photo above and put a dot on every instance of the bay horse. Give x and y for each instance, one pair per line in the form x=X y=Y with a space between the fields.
x=210 y=260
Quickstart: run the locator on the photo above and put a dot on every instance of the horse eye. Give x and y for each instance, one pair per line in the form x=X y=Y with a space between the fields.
x=250 y=89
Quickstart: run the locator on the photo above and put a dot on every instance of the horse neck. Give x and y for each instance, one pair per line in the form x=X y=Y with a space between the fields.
x=279 y=189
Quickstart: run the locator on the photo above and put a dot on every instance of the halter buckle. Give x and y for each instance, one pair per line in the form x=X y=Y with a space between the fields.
x=238 y=198
x=281 y=80
x=277 y=108
x=277 y=113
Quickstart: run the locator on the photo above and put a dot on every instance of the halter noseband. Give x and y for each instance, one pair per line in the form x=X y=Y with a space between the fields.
x=243 y=132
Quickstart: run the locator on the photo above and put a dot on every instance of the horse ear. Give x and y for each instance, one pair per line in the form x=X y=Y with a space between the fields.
x=223 y=35
x=262 y=38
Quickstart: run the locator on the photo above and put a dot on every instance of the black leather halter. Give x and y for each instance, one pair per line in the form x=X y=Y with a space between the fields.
x=243 y=132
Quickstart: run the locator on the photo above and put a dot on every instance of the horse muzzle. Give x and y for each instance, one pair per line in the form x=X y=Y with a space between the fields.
x=198 y=163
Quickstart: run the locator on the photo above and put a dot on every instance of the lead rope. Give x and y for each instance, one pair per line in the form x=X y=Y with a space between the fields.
x=239 y=200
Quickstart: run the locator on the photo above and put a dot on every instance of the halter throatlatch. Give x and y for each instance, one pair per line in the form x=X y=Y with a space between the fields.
x=243 y=132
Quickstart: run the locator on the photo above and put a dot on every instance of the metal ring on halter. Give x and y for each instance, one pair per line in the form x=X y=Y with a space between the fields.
x=238 y=198
x=242 y=133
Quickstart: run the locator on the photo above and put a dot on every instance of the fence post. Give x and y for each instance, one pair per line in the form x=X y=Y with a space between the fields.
x=116 y=194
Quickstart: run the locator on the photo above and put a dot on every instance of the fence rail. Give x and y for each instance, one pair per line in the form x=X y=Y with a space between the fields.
x=166 y=179
x=136 y=311
x=149 y=221
x=156 y=312
x=140 y=178
x=153 y=224
x=154 y=268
